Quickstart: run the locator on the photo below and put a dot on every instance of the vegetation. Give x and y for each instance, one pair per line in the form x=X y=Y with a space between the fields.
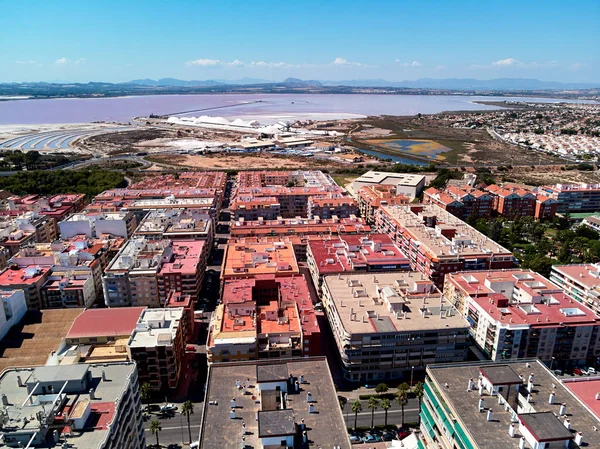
x=386 y=404
x=146 y=392
x=373 y=404
x=419 y=391
x=32 y=160
x=188 y=409
x=155 y=428
x=381 y=388
x=402 y=398
x=88 y=181
x=356 y=408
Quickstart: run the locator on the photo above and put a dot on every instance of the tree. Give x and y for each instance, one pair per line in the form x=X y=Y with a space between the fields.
x=356 y=408
x=419 y=391
x=386 y=404
x=145 y=392
x=402 y=400
x=381 y=388
x=373 y=403
x=188 y=409
x=155 y=428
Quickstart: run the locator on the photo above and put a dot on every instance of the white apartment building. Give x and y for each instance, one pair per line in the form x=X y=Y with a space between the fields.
x=13 y=310
x=95 y=224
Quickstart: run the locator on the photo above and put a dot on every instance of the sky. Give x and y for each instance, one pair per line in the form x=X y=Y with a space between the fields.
x=117 y=41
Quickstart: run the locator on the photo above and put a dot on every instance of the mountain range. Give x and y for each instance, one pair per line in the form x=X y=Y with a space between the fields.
x=466 y=84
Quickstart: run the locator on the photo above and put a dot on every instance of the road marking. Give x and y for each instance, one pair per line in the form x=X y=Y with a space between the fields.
x=389 y=411
x=174 y=428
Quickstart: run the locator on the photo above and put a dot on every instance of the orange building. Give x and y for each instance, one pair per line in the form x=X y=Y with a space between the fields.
x=370 y=198
x=253 y=259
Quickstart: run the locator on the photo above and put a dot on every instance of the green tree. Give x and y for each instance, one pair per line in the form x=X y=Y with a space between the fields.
x=188 y=409
x=356 y=408
x=381 y=388
x=373 y=403
x=419 y=391
x=155 y=428
x=146 y=392
x=402 y=400
x=386 y=404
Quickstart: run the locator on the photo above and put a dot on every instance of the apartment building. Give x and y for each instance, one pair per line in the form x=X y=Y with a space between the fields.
x=84 y=406
x=253 y=259
x=13 y=310
x=66 y=288
x=30 y=279
x=265 y=318
x=330 y=206
x=247 y=207
x=515 y=404
x=207 y=205
x=247 y=402
x=519 y=313
x=157 y=347
x=386 y=325
x=180 y=300
x=353 y=253
x=579 y=281
x=183 y=271
x=97 y=224
x=371 y=197
x=437 y=242
x=27 y=228
x=407 y=184
x=592 y=222
x=4 y=257
x=573 y=197
x=176 y=224
x=461 y=201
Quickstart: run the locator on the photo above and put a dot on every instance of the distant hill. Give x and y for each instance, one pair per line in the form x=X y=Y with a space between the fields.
x=175 y=82
x=297 y=82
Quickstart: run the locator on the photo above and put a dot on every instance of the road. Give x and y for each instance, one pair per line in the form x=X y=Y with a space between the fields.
x=174 y=428
x=411 y=413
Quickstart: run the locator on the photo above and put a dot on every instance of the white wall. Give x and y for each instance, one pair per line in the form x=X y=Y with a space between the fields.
x=12 y=312
x=70 y=228
x=114 y=227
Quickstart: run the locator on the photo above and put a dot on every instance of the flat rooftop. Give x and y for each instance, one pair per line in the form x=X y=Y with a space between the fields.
x=452 y=380
x=376 y=303
x=450 y=237
x=325 y=428
x=30 y=342
x=259 y=258
x=102 y=407
x=156 y=327
x=378 y=177
x=587 y=275
x=585 y=389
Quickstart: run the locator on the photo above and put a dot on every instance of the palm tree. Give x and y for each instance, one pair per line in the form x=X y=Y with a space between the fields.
x=386 y=404
x=419 y=391
x=188 y=409
x=373 y=403
x=381 y=388
x=402 y=399
x=356 y=408
x=155 y=428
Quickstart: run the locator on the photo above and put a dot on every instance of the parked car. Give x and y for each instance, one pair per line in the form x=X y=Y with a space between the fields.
x=168 y=408
x=584 y=371
x=591 y=370
x=371 y=438
x=558 y=372
x=355 y=440
x=577 y=371
x=403 y=434
x=190 y=348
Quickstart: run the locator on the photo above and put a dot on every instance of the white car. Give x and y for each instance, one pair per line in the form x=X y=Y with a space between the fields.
x=195 y=445
x=591 y=370
x=168 y=408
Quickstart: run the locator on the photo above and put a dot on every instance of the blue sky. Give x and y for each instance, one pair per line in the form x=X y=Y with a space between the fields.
x=329 y=40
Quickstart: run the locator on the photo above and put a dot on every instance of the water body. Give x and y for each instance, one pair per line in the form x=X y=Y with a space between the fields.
x=275 y=106
x=394 y=158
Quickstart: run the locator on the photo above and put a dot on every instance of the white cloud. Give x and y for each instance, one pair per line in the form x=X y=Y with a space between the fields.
x=204 y=62
x=277 y=65
x=344 y=62
x=62 y=61
x=441 y=67
x=506 y=62
x=81 y=61
x=409 y=64
x=26 y=62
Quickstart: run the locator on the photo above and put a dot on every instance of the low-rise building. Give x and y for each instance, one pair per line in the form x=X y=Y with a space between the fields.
x=580 y=281
x=408 y=184
x=66 y=288
x=252 y=259
x=353 y=253
x=13 y=310
x=486 y=405
x=96 y=224
x=157 y=347
x=592 y=222
x=437 y=242
x=176 y=224
x=519 y=313
x=84 y=406
x=386 y=325
x=267 y=404
x=371 y=197
x=30 y=227
x=267 y=317
x=30 y=279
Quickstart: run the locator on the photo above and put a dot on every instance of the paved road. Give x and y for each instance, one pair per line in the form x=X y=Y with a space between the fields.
x=411 y=412
x=174 y=428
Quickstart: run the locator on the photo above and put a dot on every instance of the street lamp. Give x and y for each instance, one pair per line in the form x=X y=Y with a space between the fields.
x=412 y=373
x=551 y=363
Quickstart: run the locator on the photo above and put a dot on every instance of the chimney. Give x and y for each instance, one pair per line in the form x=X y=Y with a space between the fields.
x=243 y=442
x=20 y=382
x=232 y=403
x=311 y=408
x=301 y=378
x=308 y=397
x=579 y=439
x=529 y=397
x=232 y=414
x=529 y=387
x=92 y=393
x=104 y=375
x=563 y=409
x=511 y=430
x=489 y=415
x=567 y=423
x=551 y=398
x=243 y=428
x=305 y=437
x=480 y=404
x=522 y=443
x=481 y=389
x=470 y=385
x=302 y=425
x=4 y=399
x=531 y=378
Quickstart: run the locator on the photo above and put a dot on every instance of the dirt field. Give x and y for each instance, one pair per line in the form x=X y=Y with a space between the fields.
x=548 y=175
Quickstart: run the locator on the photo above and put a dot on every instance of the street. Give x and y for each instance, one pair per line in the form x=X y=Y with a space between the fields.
x=411 y=413
x=174 y=427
